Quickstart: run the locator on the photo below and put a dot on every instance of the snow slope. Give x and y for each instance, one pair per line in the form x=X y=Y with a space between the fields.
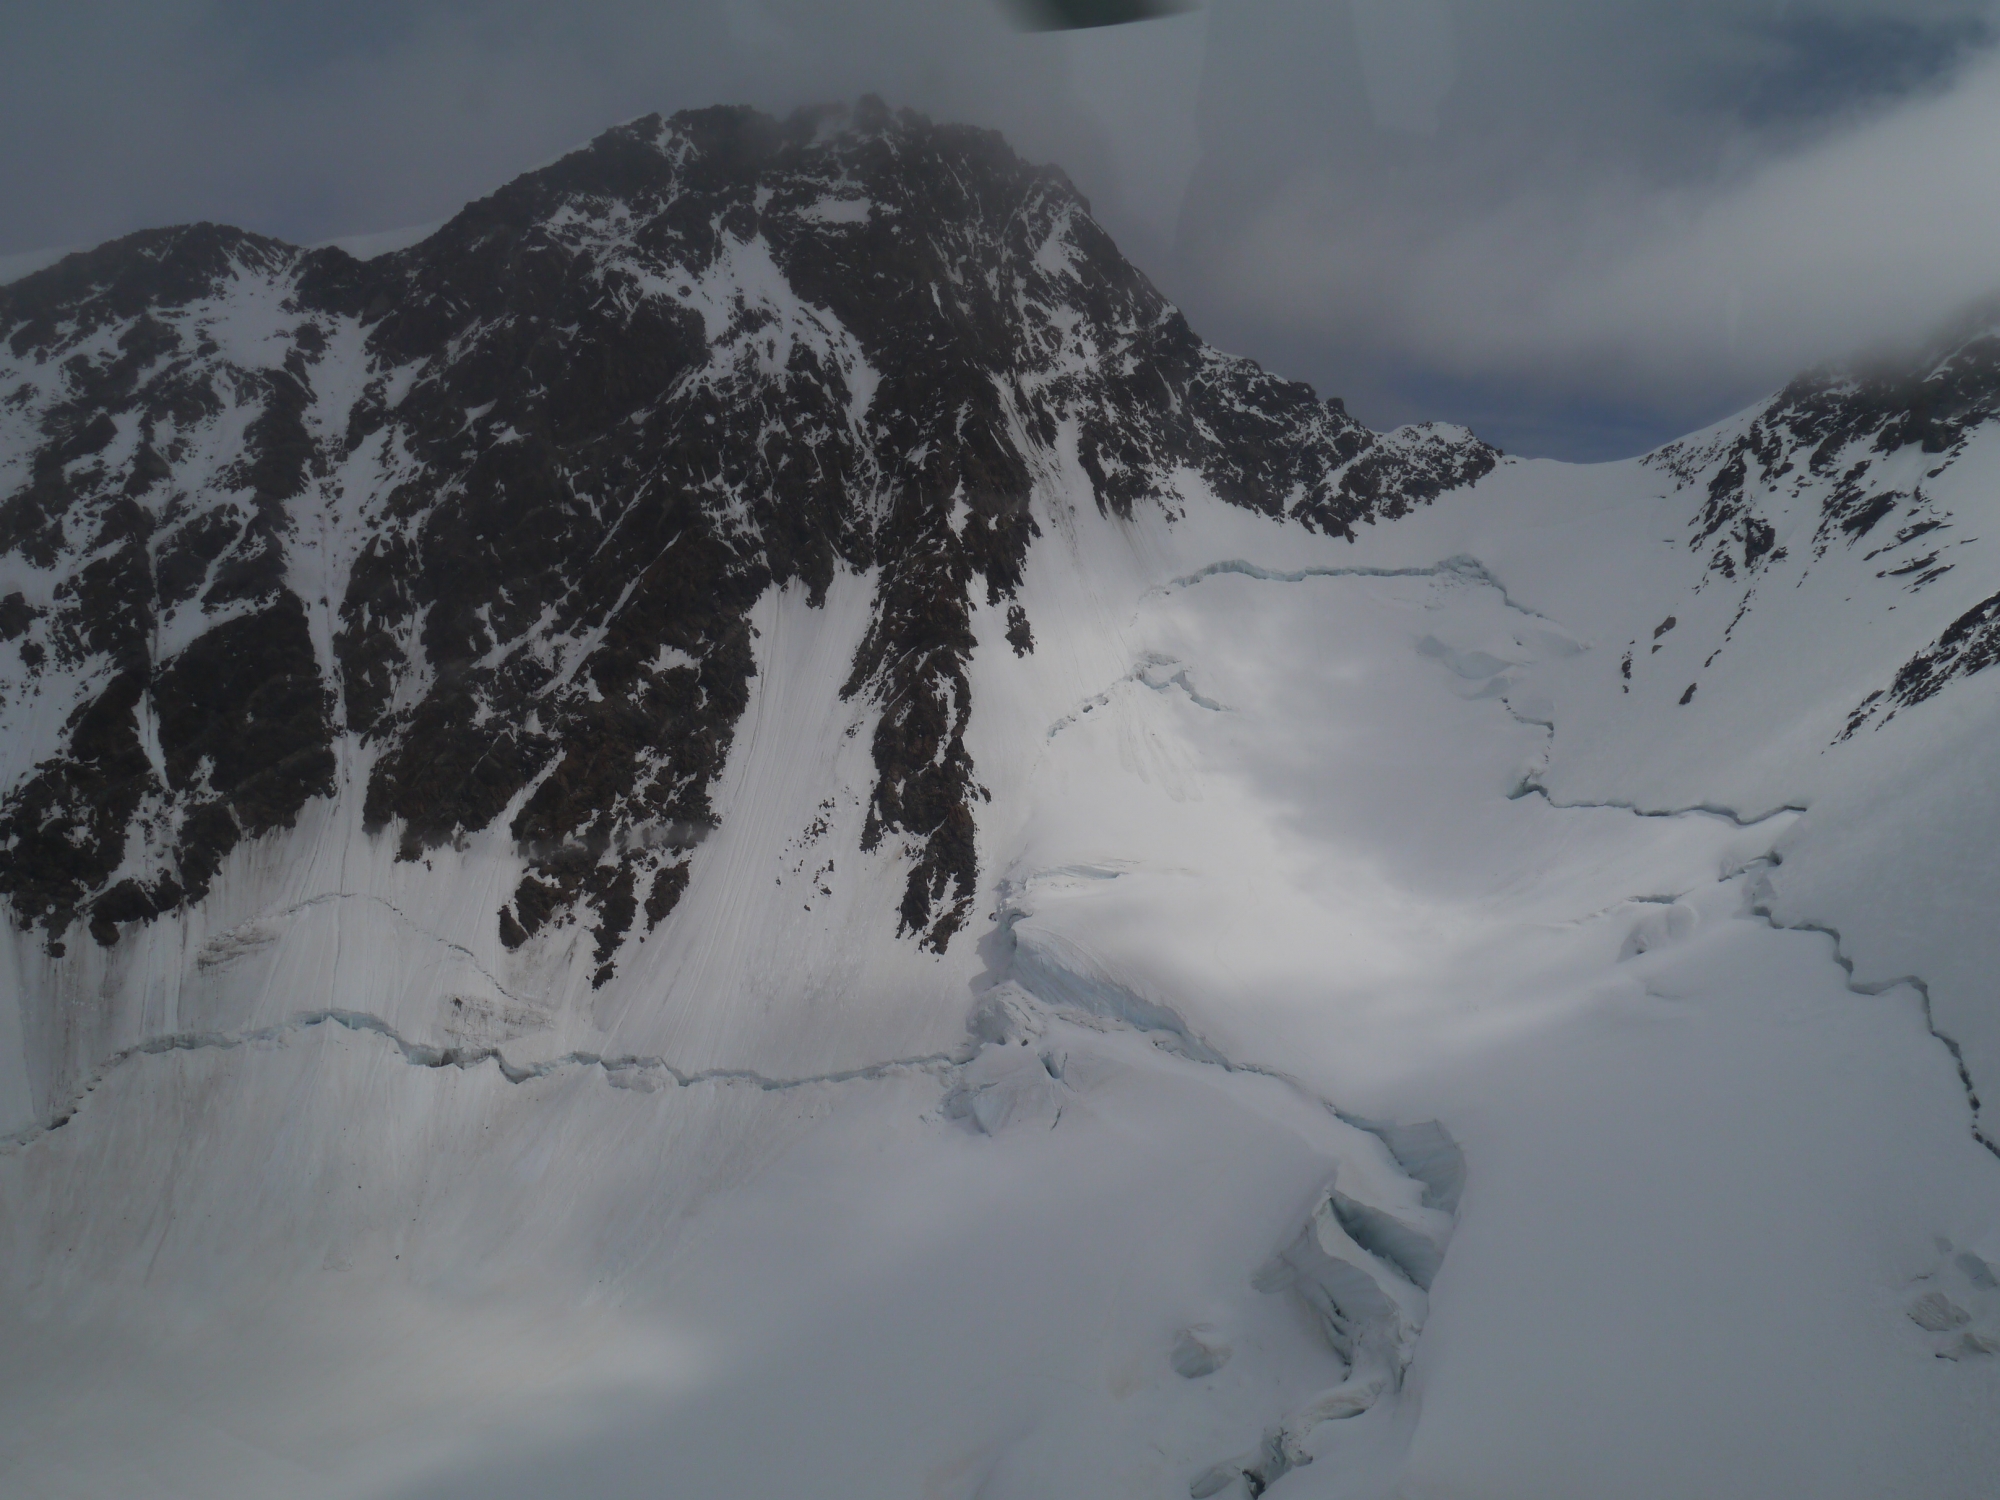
x=1267 y=888
x=1489 y=1007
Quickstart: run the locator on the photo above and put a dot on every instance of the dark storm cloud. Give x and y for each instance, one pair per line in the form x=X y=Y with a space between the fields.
x=1576 y=224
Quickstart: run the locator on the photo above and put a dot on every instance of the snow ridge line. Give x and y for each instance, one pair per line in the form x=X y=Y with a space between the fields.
x=1105 y=1003
x=1460 y=565
x=1912 y=982
x=1371 y=1373
x=423 y=1055
x=1699 y=809
x=1763 y=910
x=1150 y=663
x=1472 y=570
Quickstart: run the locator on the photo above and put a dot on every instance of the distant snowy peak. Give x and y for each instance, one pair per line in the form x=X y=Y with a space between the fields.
x=1856 y=459
x=482 y=520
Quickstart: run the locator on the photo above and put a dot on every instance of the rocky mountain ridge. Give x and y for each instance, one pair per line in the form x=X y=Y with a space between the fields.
x=488 y=514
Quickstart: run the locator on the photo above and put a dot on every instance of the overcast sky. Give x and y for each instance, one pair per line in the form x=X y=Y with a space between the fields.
x=1580 y=226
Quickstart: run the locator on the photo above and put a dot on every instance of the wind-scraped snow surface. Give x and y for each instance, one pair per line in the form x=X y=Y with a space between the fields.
x=742 y=826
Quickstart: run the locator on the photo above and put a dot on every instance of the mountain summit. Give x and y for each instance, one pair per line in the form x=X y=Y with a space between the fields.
x=492 y=510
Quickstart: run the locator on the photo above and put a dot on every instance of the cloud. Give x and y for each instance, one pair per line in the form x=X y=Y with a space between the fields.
x=1643 y=214
x=1524 y=212
x=1409 y=60
x=1691 y=279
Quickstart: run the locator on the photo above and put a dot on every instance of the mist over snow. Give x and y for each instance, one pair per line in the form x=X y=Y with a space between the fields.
x=1581 y=228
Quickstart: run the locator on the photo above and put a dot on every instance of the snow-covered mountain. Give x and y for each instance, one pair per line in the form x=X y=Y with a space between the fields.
x=744 y=825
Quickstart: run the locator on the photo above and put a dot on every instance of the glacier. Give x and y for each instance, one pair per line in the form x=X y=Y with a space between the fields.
x=1489 y=999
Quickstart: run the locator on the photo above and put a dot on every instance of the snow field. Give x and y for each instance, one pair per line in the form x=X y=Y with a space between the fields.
x=1293 y=847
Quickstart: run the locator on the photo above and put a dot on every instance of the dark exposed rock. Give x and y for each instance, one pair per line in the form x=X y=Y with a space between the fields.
x=499 y=505
x=16 y=615
x=1844 y=420
x=1020 y=635
x=244 y=715
x=1971 y=643
x=63 y=830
